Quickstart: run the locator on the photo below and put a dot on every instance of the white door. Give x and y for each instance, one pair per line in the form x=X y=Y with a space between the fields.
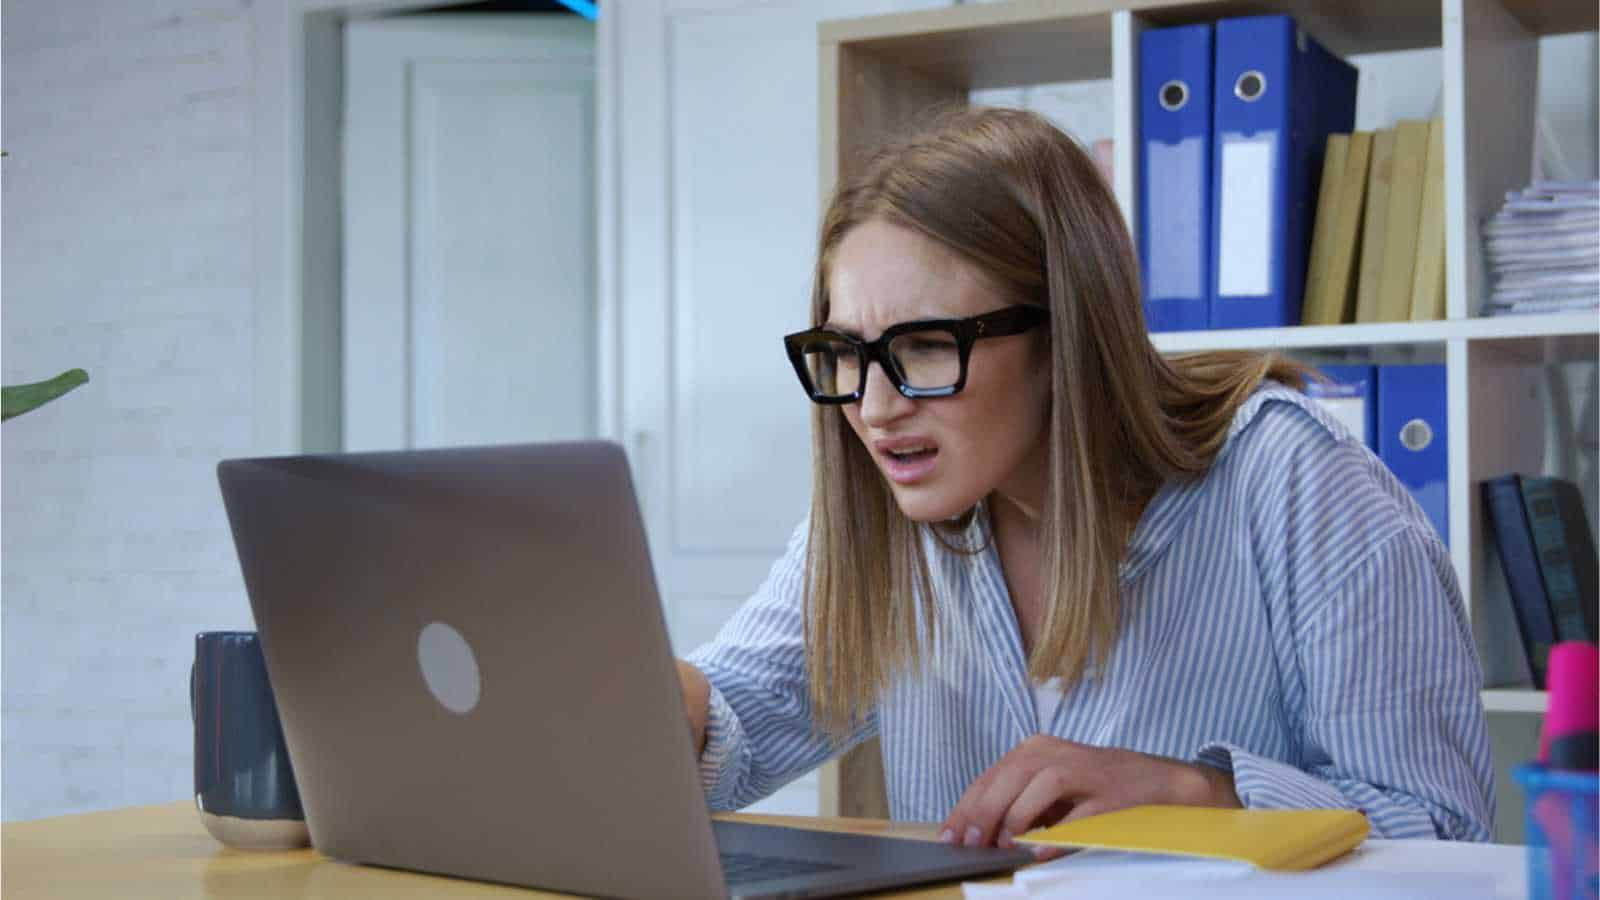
x=719 y=186
x=469 y=232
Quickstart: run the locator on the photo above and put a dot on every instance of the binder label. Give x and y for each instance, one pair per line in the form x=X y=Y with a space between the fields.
x=1244 y=265
x=1177 y=244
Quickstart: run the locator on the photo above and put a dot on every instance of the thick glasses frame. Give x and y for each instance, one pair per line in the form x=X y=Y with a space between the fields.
x=1000 y=323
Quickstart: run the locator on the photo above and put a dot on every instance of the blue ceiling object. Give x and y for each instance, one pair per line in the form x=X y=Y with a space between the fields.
x=590 y=11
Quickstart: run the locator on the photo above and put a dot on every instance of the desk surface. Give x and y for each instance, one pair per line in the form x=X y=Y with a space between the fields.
x=164 y=851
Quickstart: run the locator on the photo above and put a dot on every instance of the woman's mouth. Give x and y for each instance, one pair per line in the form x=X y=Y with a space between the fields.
x=908 y=463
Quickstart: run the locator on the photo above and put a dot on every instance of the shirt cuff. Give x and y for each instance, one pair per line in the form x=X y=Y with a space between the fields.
x=1263 y=783
x=725 y=745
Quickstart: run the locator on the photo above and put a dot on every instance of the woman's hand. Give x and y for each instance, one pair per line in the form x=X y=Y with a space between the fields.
x=1045 y=780
x=696 y=701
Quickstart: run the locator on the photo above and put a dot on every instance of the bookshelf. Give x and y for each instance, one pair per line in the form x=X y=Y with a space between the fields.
x=877 y=73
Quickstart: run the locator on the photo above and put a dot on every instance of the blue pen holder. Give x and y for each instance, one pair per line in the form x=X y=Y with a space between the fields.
x=1563 y=833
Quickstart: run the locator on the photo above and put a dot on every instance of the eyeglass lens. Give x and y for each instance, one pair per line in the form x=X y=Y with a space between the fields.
x=923 y=359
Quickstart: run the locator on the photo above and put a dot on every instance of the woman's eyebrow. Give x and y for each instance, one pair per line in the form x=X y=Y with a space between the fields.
x=842 y=329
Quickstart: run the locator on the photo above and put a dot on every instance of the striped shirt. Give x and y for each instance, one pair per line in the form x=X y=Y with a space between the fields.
x=1290 y=617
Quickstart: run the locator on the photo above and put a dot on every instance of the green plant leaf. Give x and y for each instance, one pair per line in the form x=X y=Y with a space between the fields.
x=18 y=399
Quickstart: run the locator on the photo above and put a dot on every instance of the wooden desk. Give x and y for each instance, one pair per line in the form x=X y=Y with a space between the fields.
x=164 y=852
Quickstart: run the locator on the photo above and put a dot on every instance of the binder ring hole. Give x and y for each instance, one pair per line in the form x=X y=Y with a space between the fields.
x=1174 y=96
x=1250 y=86
x=1416 y=435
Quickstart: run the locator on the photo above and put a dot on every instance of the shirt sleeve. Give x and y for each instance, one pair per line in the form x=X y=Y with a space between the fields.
x=1392 y=722
x=760 y=733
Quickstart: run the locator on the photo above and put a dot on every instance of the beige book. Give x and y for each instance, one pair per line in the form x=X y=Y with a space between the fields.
x=1427 y=282
x=1370 y=271
x=1316 y=306
x=1405 y=215
x=1340 y=283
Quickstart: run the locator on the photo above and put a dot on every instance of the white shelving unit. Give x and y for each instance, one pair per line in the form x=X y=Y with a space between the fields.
x=879 y=72
x=1568 y=329
x=1523 y=701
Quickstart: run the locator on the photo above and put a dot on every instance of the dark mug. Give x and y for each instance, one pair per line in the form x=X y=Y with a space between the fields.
x=243 y=783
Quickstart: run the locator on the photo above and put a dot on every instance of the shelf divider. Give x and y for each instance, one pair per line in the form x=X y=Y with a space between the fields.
x=1491 y=77
x=1504 y=328
x=1516 y=700
x=1125 y=30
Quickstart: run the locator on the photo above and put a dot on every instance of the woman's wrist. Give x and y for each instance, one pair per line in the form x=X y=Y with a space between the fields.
x=1203 y=785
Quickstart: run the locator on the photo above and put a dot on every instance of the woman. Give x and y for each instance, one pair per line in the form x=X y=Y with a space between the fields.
x=1059 y=574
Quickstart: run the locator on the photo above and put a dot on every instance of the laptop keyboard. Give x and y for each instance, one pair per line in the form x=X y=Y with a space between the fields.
x=742 y=868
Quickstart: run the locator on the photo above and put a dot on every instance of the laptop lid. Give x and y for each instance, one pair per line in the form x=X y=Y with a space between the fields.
x=474 y=678
x=443 y=634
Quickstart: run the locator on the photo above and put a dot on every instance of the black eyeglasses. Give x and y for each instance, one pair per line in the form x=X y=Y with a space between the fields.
x=921 y=359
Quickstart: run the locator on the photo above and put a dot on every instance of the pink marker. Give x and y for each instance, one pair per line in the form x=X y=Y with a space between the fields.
x=1571 y=737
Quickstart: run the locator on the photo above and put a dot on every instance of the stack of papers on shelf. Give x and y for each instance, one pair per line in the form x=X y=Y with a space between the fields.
x=1377 y=870
x=1543 y=248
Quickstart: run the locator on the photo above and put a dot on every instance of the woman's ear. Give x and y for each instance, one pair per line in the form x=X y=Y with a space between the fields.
x=1043 y=348
x=1043 y=381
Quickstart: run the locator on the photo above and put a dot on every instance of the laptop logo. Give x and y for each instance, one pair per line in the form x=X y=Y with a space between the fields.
x=449 y=667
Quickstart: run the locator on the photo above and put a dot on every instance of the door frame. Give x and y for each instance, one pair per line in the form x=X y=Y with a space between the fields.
x=297 y=297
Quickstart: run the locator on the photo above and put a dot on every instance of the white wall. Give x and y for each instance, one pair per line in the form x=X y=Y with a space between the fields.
x=127 y=217
x=127 y=225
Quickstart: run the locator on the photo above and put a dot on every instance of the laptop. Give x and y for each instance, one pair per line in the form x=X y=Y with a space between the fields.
x=474 y=677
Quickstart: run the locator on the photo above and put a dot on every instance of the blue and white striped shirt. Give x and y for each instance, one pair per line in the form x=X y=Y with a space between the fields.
x=1290 y=617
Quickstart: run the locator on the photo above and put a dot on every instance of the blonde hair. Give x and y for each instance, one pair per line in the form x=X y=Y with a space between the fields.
x=1021 y=201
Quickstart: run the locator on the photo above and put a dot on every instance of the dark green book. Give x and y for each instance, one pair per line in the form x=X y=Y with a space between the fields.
x=1565 y=549
x=1513 y=538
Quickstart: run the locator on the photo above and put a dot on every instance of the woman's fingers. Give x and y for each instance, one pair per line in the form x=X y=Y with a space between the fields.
x=953 y=830
x=1049 y=791
x=983 y=815
x=979 y=816
x=1092 y=807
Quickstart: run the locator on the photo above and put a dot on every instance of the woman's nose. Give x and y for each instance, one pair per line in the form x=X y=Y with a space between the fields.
x=880 y=401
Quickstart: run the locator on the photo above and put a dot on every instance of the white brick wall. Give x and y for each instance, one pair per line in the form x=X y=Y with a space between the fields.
x=127 y=222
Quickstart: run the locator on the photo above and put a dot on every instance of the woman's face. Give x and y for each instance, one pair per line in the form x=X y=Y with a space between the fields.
x=941 y=455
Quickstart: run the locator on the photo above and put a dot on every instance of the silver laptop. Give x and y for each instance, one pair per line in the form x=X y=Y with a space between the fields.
x=474 y=677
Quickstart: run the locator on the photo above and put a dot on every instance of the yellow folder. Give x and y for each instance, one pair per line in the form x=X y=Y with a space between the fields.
x=1317 y=306
x=1280 y=839
x=1427 y=281
x=1404 y=218
x=1375 y=228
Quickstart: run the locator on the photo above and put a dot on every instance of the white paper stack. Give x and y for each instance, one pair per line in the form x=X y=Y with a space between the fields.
x=1543 y=249
x=1377 y=870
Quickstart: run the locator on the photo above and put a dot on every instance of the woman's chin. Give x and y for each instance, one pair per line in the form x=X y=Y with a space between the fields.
x=925 y=506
